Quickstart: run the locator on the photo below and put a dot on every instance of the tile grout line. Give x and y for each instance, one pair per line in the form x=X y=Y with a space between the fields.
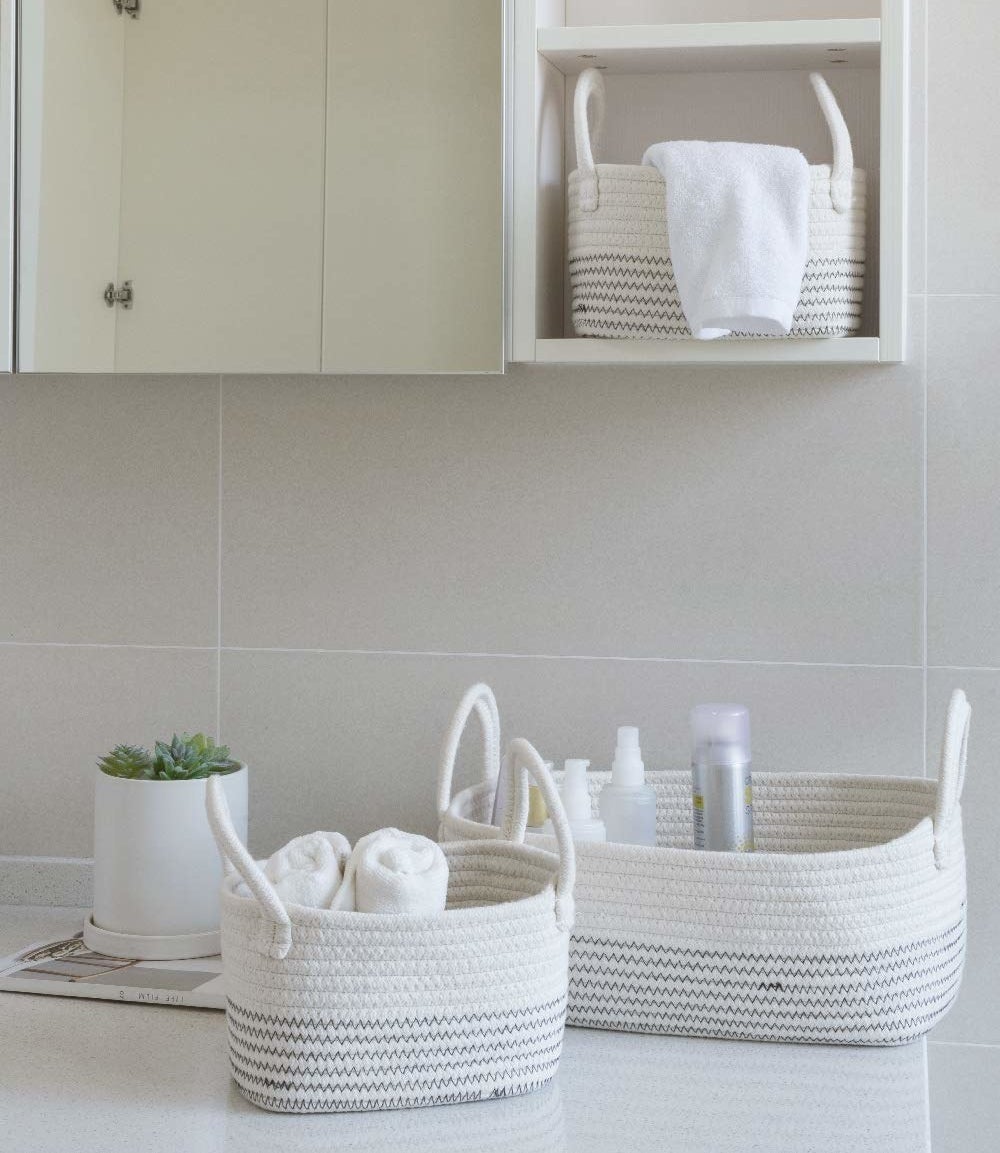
x=924 y=562
x=443 y=653
x=484 y=655
x=925 y=177
x=218 y=580
x=106 y=645
x=480 y=654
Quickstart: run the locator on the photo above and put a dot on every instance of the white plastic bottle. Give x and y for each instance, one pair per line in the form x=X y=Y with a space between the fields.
x=576 y=801
x=628 y=804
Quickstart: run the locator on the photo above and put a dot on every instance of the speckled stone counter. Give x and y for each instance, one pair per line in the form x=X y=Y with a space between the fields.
x=106 y=1077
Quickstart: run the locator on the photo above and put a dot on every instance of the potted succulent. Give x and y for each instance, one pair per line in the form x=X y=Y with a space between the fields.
x=156 y=868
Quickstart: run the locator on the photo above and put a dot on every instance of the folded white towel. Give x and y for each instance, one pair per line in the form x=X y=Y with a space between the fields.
x=394 y=872
x=738 y=227
x=309 y=870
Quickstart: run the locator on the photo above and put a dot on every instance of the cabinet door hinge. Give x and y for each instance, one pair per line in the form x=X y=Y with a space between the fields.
x=131 y=7
x=123 y=296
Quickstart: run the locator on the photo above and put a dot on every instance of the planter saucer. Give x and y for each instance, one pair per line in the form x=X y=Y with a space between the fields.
x=182 y=947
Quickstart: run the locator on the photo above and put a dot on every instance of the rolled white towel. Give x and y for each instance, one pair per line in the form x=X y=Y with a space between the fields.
x=309 y=870
x=394 y=872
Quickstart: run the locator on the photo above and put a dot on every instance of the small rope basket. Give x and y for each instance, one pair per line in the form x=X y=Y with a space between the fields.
x=621 y=274
x=846 y=927
x=333 y=1011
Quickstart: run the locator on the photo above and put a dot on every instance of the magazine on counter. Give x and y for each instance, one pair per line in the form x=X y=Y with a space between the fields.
x=67 y=968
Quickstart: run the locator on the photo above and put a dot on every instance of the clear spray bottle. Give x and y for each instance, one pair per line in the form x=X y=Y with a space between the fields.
x=628 y=804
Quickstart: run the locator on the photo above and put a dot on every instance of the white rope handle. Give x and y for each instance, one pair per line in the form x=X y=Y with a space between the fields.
x=590 y=93
x=951 y=776
x=524 y=759
x=275 y=938
x=480 y=700
x=842 y=171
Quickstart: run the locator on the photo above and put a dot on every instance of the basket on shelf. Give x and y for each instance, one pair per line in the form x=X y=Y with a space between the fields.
x=846 y=927
x=620 y=271
x=334 y=1011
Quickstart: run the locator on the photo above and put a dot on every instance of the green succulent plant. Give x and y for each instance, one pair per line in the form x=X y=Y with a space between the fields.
x=184 y=759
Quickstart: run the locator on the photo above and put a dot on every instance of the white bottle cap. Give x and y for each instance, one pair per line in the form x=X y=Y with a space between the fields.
x=627 y=768
x=720 y=734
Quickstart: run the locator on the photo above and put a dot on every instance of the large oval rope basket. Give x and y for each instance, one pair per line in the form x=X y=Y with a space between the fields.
x=621 y=275
x=847 y=926
x=332 y=1011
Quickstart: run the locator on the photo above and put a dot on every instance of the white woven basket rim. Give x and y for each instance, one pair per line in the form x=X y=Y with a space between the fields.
x=762 y=861
x=351 y=920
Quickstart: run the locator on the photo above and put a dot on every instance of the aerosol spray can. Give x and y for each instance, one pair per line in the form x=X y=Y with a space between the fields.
x=720 y=778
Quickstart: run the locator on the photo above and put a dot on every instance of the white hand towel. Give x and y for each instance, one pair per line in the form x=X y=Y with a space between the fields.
x=394 y=872
x=738 y=227
x=309 y=870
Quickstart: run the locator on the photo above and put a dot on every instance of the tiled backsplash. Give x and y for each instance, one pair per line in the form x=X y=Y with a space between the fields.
x=317 y=567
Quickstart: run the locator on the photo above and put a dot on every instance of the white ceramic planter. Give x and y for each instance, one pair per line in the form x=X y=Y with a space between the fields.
x=157 y=871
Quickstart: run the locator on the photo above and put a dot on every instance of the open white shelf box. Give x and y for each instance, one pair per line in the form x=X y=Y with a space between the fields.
x=723 y=81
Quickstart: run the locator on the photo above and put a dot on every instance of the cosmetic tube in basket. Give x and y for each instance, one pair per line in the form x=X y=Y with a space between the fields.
x=720 y=778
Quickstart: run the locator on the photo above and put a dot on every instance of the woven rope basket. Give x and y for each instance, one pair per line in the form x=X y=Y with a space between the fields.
x=847 y=926
x=621 y=276
x=342 y=1011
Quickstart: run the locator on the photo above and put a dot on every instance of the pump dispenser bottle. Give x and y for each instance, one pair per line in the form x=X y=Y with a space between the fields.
x=720 y=778
x=576 y=801
x=628 y=804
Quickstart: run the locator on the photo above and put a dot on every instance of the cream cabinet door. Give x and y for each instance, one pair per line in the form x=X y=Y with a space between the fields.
x=413 y=277
x=222 y=186
x=69 y=172
x=7 y=224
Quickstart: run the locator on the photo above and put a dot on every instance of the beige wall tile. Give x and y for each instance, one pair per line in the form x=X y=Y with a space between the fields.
x=963 y=482
x=109 y=514
x=976 y=1015
x=62 y=708
x=963 y=147
x=755 y=513
x=352 y=742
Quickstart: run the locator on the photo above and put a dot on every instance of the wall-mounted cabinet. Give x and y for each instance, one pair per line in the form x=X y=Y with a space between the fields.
x=743 y=81
x=265 y=187
x=8 y=39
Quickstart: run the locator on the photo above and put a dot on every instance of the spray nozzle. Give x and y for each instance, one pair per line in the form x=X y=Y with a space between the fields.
x=627 y=768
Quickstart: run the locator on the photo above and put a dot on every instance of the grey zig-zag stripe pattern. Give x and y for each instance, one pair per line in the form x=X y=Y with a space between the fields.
x=299 y=1063
x=882 y=996
x=627 y=295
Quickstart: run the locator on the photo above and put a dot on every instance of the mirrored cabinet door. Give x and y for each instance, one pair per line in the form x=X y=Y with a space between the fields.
x=246 y=186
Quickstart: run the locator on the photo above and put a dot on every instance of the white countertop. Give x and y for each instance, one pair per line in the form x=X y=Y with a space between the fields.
x=99 y=1077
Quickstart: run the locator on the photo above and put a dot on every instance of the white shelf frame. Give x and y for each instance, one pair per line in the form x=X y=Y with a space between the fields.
x=730 y=47
x=543 y=42
x=597 y=350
